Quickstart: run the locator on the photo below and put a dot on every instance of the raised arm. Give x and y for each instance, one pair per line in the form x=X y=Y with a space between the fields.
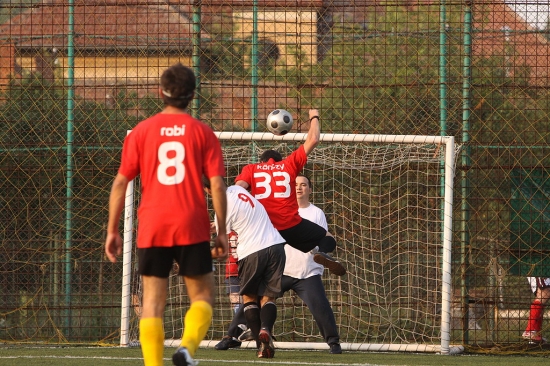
x=314 y=133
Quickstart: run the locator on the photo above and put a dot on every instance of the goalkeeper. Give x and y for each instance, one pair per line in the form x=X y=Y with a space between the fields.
x=303 y=275
x=270 y=182
x=261 y=256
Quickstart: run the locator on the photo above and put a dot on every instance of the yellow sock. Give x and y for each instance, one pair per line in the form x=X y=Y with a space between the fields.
x=197 y=321
x=151 y=337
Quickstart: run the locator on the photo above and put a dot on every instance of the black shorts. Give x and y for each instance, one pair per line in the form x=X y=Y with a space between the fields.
x=192 y=260
x=304 y=236
x=260 y=273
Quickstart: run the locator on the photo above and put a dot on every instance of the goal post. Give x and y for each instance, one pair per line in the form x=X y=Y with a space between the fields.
x=389 y=203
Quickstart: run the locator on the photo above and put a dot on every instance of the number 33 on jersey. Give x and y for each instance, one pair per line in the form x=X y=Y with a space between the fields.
x=273 y=184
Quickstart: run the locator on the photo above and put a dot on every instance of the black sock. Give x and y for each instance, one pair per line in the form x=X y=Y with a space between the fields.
x=327 y=244
x=268 y=315
x=252 y=315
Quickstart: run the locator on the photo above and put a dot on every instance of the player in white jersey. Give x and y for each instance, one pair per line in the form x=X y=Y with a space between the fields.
x=541 y=288
x=303 y=275
x=261 y=262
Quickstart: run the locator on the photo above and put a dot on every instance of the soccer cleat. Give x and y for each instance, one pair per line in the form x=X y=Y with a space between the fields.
x=267 y=349
x=227 y=342
x=533 y=336
x=335 y=349
x=332 y=264
x=183 y=358
x=246 y=336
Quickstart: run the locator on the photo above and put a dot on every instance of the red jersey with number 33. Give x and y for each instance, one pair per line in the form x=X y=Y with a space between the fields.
x=274 y=185
x=171 y=152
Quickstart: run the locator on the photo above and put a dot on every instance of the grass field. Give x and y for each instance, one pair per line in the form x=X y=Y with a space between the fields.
x=114 y=356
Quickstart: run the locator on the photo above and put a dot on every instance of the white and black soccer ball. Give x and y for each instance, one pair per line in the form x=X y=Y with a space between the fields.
x=279 y=122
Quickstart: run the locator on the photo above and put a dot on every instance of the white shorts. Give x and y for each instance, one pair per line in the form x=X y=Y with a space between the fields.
x=538 y=282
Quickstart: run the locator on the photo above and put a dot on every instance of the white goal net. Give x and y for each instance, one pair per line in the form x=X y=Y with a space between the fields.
x=388 y=202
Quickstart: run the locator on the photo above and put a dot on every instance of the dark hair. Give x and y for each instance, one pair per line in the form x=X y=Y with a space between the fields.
x=178 y=86
x=307 y=178
x=270 y=154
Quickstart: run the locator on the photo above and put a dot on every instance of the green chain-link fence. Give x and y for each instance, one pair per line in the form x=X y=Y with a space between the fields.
x=76 y=75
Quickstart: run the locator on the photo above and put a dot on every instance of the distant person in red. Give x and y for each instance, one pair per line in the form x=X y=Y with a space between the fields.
x=171 y=151
x=541 y=289
x=232 y=273
x=272 y=181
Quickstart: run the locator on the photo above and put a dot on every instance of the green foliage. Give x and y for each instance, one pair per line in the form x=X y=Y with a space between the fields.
x=224 y=59
x=10 y=8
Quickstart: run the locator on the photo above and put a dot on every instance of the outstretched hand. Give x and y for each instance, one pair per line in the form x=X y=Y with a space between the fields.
x=314 y=133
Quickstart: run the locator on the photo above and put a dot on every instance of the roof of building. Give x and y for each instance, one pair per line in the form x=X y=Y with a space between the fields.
x=101 y=24
x=500 y=31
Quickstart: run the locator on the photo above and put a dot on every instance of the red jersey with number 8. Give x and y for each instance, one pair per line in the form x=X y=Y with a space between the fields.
x=274 y=185
x=171 y=152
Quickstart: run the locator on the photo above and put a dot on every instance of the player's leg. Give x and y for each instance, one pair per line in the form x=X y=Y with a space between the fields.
x=304 y=236
x=233 y=332
x=312 y=292
x=151 y=330
x=327 y=244
x=251 y=310
x=541 y=289
x=308 y=236
x=287 y=284
x=274 y=264
x=236 y=327
x=250 y=275
x=199 y=315
x=154 y=265
x=233 y=291
x=268 y=315
x=195 y=265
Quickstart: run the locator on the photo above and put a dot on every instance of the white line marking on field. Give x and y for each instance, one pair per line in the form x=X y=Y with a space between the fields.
x=271 y=361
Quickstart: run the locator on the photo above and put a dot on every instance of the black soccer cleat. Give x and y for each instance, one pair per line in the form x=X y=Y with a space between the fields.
x=332 y=264
x=183 y=358
x=227 y=342
x=335 y=349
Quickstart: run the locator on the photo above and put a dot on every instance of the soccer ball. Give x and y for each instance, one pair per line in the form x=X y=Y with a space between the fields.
x=279 y=122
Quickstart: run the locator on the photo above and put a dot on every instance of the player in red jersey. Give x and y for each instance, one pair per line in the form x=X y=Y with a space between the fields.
x=541 y=289
x=272 y=181
x=171 y=151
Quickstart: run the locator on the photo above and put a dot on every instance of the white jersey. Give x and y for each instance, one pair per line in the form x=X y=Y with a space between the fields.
x=298 y=264
x=534 y=282
x=248 y=218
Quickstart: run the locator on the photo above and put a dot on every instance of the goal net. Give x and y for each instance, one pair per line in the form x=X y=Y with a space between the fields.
x=388 y=202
